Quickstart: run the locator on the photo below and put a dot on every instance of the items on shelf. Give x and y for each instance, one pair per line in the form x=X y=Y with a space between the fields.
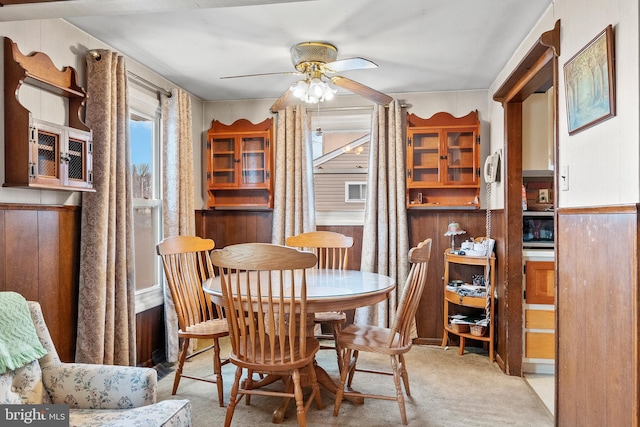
x=453 y=229
x=468 y=306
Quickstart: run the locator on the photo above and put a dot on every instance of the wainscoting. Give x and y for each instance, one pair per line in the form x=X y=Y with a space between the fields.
x=230 y=227
x=597 y=305
x=39 y=258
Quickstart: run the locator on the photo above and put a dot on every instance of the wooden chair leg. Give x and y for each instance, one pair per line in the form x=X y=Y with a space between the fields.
x=233 y=400
x=405 y=374
x=297 y=391
x=217 y=370
x=346 y=357
x=315 y=386
x=399 y=395
x=352 y=367
x=181 y=358
x=336 y=329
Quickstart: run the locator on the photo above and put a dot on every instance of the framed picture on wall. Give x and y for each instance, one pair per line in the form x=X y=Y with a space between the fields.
x=589 y=78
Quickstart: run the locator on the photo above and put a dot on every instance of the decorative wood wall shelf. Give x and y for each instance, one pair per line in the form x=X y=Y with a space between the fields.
x=69 y=159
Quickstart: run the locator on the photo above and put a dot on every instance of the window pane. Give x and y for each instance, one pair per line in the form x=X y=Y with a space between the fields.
x=354 y=192
x=141 y=134
x=145 y=225
x=146 y=209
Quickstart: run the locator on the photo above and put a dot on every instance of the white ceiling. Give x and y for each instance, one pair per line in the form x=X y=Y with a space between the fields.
x=419 y=45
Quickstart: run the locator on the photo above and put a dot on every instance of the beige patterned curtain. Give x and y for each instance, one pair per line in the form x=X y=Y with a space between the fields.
x=385 y=241
x=294 y=203
x=178 y=190
x=106 y=312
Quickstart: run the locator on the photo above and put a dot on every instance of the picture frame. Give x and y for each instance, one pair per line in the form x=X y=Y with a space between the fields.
x=589 y=79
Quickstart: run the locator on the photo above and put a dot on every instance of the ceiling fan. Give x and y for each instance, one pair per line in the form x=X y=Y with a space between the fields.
x=317 y=61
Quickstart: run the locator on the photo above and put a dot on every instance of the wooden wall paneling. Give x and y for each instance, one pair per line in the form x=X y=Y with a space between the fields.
x=228 y=227
x=39 y=252
x=597 y=311
x=69 y=273
x=48 y=236
x=497 y=232
x=433 y=223
x=3 y=257
x=21 y=233
x=150 y=337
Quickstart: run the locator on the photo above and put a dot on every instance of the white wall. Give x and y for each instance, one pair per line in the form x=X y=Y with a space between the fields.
x=602 y=160
x=66 y=45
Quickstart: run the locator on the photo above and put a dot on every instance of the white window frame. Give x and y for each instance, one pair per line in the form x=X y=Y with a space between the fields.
x=363 y=191
x=146 y=105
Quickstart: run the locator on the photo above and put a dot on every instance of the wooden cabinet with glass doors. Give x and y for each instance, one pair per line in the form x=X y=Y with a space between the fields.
x=443 y=161
x=239 y=160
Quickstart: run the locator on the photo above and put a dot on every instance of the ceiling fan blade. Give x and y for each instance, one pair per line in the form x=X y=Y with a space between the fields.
x=287 y=73
x=362 y=90
x=349 y=64
x=281 y=103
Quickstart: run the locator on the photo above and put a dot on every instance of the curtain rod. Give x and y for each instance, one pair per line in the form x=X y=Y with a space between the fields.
x=96 y=55
x=364 y=107
x=149 y=84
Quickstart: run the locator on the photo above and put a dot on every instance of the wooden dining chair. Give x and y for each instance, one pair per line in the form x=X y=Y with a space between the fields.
x=332 y=250
x=264 y=290
x=393 y=342
x=187 y=264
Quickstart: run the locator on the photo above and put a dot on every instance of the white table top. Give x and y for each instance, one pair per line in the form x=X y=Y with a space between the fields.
x=332 y=290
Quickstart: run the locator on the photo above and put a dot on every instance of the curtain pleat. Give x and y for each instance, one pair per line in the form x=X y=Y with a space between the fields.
x=294 y=203
x=106 y=311
x=385 y=240
x=178 y=191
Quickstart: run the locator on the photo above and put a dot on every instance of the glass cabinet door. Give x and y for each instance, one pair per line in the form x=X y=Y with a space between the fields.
x=223 y=161
x=425 y=161
x=253 y=155
x=461 y=167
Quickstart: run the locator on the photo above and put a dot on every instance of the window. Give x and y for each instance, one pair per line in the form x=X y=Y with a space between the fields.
x=144 y=132
x=355 y=192
x=340 y=141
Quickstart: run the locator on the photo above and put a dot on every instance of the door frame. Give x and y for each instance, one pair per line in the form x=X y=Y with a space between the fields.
x=536 y=72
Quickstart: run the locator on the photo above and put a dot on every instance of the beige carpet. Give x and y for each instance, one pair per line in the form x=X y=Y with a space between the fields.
x=446 y=390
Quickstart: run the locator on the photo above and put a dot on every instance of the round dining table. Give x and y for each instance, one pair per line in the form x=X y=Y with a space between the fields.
x=328 y=290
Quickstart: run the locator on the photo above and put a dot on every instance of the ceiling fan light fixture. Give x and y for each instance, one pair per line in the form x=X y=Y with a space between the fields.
x=313 y=90
x=299 y=89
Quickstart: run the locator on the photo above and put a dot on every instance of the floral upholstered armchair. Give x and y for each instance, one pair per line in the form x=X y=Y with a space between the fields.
x=97 y=395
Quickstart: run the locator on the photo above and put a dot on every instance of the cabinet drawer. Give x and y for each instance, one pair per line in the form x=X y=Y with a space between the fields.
x=539 y=319
x=540 y=345
x=479 y=302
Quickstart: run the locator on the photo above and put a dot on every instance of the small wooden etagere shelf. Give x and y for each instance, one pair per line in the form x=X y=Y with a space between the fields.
x=475 y=303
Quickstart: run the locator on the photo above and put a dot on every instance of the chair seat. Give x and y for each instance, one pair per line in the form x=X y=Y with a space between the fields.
x=330 y=317
x=371 y=338
x=210 y=328
x=264 y=361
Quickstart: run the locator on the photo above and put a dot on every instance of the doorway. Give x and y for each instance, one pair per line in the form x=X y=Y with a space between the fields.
x=537 y=72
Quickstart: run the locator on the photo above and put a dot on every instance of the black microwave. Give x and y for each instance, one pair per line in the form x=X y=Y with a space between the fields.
x=537 y=229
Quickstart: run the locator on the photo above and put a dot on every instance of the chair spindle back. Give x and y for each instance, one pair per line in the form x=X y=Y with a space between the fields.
x=187 y=264
x=265 y=295
x=414 y=286
x=332 y=249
